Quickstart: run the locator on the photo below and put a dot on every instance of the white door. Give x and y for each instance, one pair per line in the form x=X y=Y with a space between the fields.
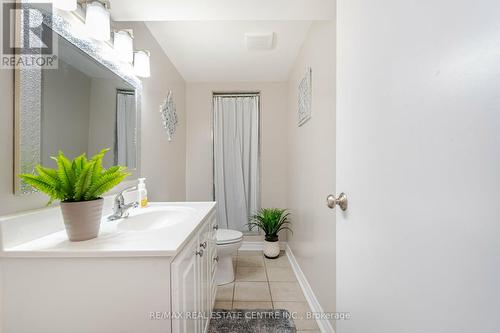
x=418 y=155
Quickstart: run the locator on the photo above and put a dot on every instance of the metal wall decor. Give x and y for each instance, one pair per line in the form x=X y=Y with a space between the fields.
x=169 y=115
x=305 y=97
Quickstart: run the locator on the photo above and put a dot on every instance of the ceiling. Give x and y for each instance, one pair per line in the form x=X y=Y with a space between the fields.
x=221 y=10
x=216 y=50
x=205 y=39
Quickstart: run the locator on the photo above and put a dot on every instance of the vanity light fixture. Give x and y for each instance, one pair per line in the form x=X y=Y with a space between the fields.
x=67 y=5
x=141 y=63
x=97 y=20
x=123 y=44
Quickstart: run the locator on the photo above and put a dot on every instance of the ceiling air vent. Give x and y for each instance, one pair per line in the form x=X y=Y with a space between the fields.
x=259 y=41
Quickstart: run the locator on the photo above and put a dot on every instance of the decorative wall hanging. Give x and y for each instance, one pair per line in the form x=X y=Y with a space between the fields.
x=305 y=97
x=169 y=115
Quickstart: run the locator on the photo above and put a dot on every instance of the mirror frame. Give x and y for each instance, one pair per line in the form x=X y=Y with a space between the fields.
x=27 y=98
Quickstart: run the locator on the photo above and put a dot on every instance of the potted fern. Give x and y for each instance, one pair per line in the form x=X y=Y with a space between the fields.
x=271 y=221
x=79 y=185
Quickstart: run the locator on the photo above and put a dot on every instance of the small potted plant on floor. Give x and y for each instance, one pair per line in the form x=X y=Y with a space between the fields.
x=78 y=184
x=271 y=221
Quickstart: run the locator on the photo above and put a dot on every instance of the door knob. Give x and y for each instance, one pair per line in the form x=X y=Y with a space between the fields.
x=340 y=201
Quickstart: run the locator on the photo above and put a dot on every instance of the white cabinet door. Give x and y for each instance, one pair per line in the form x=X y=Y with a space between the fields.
x=212 y=244
x=208 y=264
x=203 y=276
x=193 y=281
x=186 y=289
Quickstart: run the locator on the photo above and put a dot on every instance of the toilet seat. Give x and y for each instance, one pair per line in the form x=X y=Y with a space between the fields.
x=228 y=236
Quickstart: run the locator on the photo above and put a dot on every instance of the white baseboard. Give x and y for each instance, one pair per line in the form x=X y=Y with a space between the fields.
x=258 y=246
x=324 y=325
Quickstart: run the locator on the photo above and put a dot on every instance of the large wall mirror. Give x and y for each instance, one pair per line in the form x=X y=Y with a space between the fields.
x=84 y=105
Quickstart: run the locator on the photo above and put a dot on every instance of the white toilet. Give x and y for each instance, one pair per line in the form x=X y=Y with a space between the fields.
x=228 y=242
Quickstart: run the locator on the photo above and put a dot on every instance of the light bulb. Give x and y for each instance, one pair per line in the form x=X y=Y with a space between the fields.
x=141 y=63
x=124 y=45
x=67 y=5
x=97 y=21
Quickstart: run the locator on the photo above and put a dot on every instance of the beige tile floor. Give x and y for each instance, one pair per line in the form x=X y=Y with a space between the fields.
x=265 y=284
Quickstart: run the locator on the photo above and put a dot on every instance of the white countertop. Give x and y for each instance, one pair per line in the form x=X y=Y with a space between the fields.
x=113 y=241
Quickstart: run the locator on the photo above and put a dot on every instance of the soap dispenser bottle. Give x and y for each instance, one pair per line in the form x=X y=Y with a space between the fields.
x=142 y=192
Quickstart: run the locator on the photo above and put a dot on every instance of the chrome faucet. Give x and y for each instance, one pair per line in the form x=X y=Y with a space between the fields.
x=120 y=209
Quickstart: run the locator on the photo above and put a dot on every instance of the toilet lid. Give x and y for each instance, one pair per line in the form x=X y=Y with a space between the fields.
x=227 y=236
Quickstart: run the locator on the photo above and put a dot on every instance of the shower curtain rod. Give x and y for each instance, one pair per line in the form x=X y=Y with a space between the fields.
x=236 y=94
x=125 y=91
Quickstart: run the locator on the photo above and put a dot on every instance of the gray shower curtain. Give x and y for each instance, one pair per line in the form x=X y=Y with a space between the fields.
x=236 y=159
x=125 y=144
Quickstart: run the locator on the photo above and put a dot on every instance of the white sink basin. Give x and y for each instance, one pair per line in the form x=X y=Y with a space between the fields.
x=154 y=218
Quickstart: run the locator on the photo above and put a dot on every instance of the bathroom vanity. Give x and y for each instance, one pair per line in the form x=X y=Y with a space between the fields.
x=151 y=272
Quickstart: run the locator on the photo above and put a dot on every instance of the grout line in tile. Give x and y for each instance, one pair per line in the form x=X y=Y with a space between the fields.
x=234 y=282
x=268 y=284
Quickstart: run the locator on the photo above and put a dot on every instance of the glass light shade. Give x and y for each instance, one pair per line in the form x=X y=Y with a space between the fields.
x=124 y=46
x=67 y=5
x=141 y=64
x=97 y=21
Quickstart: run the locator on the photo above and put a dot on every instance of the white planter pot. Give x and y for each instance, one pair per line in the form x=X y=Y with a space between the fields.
x=82 y=219
x=271 y=248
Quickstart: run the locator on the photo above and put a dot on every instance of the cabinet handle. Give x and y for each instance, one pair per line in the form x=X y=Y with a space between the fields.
x=216 y=227
x=204 y=245
x=199 y=253
x=216 y=259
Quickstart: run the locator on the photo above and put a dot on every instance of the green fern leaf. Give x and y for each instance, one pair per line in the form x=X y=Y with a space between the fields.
x=78 y=164
x=104 y=184
x=77 y=180
x=41 y=185
x=84 y=181
x=97 y=172
x=113 y=169
x=100 y=154
x=65 y=173
x=48 y=175
x=51 y=177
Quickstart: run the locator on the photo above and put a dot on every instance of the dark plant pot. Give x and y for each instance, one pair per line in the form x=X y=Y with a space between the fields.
x=82 y=219
x=271 y=247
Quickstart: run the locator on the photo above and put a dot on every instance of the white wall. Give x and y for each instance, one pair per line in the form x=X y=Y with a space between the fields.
x=199 y=177
x=162 y=162
x=311 y=164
